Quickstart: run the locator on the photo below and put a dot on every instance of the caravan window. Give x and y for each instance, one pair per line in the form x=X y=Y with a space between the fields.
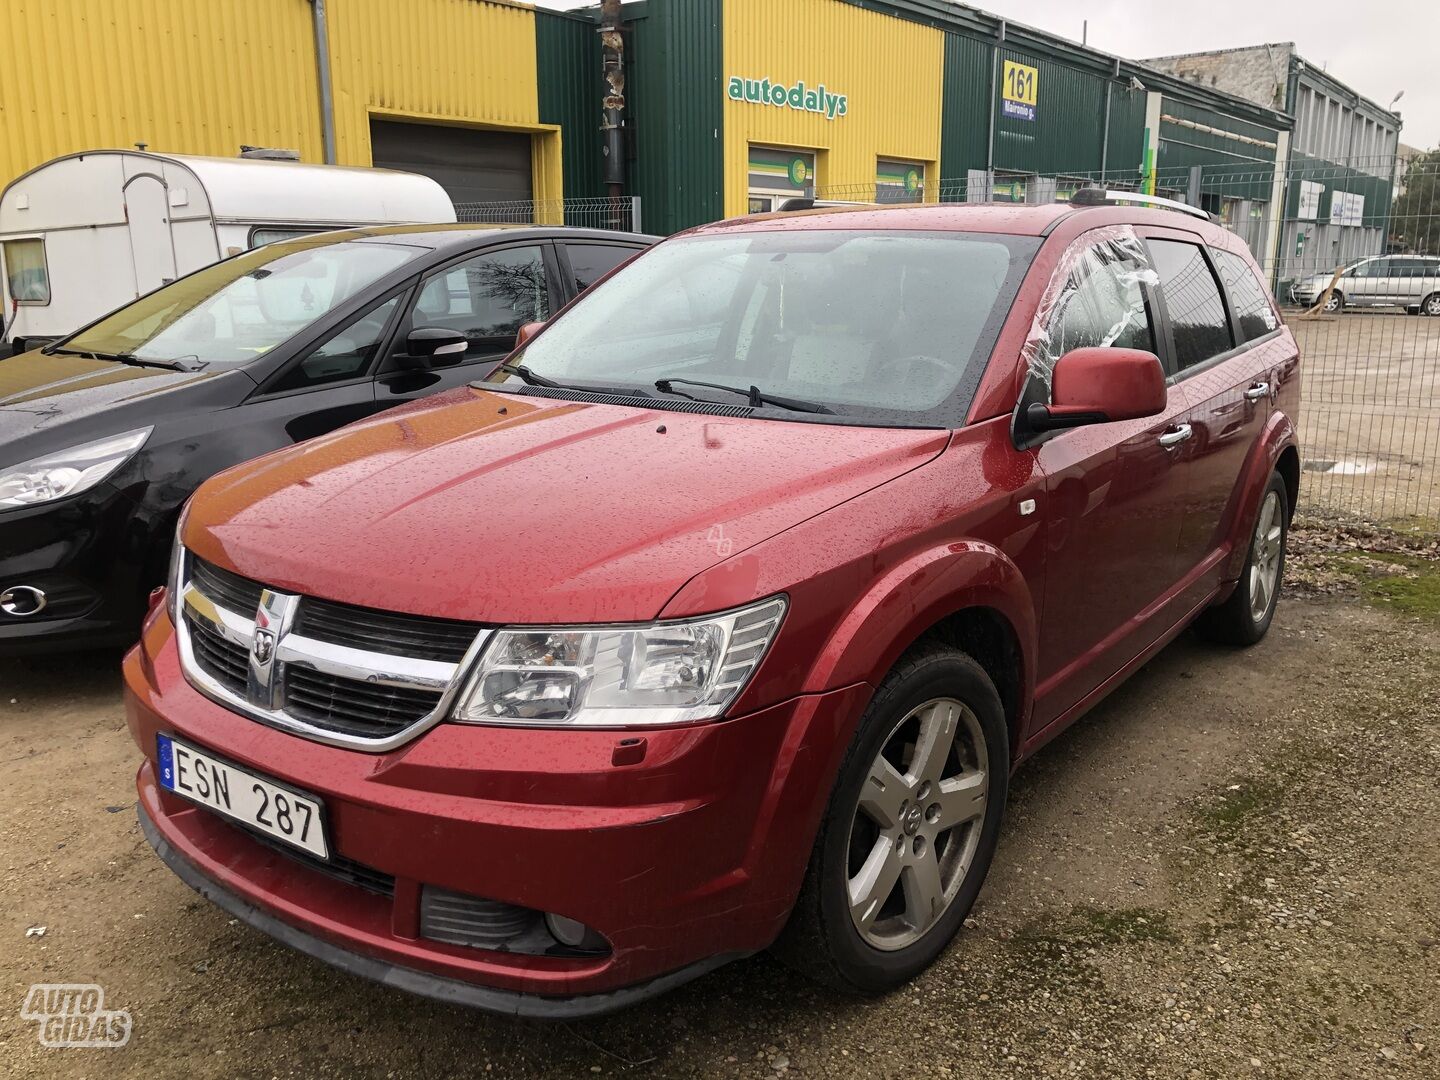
x=263 y=234
x=26 y=277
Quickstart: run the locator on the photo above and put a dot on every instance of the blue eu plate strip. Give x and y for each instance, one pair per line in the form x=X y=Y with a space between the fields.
x=167 y=761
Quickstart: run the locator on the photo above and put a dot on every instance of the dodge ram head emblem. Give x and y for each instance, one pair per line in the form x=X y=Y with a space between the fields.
x=264 y=647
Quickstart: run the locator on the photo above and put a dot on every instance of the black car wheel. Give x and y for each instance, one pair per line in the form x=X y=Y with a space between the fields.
x=1246 y=615
x=910 y=829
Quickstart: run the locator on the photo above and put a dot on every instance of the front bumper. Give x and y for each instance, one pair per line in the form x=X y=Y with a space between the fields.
x=689 y=857
x=88 y=554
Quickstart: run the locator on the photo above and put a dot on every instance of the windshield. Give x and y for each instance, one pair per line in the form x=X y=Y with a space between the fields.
x=237 y=310
x=877 y=326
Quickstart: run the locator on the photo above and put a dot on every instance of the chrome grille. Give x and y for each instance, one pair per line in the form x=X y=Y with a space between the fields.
x=385 y=631
x=229 y=590
x=226 y=661
x=352 y=707
x=339 y=674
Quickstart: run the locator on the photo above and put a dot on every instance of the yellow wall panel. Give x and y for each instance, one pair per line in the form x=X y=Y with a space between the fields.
x=185 y=76
x=890 y=71
x=458 y=61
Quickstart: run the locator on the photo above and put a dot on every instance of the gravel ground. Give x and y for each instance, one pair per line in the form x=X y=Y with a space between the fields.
x=1232 y=867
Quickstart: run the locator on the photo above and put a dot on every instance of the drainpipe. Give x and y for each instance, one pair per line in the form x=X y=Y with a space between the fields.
x=322 y=74
x=1105 y=132
x=612 y=63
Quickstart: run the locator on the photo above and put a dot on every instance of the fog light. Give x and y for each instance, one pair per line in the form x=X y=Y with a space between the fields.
x=575 y=935
x=22 y=601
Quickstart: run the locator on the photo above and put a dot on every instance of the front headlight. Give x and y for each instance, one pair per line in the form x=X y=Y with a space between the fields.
x=69 y=472
x=620 y=676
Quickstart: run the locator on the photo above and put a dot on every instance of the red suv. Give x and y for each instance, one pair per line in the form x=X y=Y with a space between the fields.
x=722 y=613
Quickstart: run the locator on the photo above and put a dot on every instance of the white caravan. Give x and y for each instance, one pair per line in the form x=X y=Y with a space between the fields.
x=86 y=233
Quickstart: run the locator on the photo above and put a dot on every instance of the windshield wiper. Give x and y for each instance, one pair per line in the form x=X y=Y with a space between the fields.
x=534 y=378
x=754 y=393
x=124 y=358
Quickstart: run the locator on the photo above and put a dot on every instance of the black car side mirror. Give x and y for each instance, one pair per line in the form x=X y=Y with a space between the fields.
x=431 y=347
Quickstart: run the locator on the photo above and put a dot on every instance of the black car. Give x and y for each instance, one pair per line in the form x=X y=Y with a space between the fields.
x=105 y=434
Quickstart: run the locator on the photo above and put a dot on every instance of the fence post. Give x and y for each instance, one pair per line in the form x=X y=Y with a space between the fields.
x=635 y=214
x=1275 y=214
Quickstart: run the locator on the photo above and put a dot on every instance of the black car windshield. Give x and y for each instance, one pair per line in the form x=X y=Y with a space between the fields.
x=878 y=327
x=240 y=309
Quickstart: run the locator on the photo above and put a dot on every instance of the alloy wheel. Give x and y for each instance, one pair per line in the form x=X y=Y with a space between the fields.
x=917 y=824
x=1265 y=558
x=1432 y=305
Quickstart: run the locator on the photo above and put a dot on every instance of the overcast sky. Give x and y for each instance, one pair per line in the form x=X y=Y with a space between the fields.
x=1376 y=49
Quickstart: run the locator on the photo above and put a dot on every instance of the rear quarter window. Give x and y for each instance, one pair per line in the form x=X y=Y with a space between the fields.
x=1253 y=309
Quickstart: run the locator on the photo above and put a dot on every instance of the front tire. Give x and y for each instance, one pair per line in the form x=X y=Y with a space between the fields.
x=1335 y=304
x=1244 y=618
x=1431 y=305
x=910 y=830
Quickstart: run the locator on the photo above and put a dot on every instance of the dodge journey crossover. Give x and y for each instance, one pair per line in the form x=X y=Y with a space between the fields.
x=718 y=617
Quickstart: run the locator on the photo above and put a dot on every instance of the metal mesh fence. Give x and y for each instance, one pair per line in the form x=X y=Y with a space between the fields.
x=1352 y=251
x=604 y=213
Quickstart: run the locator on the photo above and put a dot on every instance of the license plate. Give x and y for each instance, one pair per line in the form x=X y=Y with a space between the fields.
x=254 y=801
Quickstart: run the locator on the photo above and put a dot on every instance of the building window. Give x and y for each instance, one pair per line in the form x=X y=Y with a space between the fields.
x=26 y=277
x=776 y=174
x=1010 y=187
x=899 y=181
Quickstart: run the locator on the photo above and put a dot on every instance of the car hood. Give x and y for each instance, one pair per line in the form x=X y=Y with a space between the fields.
x=499 y=508
x=48 y=403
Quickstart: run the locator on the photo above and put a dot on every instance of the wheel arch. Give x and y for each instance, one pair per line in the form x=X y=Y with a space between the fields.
x=969 y=595
x=1277 y=450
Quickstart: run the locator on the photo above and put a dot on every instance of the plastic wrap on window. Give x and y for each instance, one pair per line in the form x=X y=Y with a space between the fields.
x=1115 y=250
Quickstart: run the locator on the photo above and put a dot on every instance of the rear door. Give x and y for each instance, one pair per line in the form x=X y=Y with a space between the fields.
x=1224 y=327
x=1370 y=284
x=147 y=219
x=487 y=296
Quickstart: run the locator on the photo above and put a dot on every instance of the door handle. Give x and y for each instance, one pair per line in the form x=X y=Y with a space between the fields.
x=1256 y=392
x=1176 y=437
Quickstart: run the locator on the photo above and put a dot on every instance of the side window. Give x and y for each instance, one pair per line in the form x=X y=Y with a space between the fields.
x=1375 y=268
x=487 y=298
x=1192 y=298
x=27 y=277
x=1103 y=309
x=1252 y=306
x=590 y=262
x=346 y=354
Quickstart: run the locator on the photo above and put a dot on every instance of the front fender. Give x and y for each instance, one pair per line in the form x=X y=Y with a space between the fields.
x=914 y=596
x=1279 y=434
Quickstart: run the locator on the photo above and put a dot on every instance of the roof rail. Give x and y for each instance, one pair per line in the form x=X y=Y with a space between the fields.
x=1103 y=197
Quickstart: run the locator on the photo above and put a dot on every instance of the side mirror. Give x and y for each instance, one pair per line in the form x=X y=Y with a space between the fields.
x=526 y=332
x=431 y=347
x=1097 y=386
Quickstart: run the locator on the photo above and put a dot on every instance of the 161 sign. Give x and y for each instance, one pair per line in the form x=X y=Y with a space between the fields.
x=1019 y=90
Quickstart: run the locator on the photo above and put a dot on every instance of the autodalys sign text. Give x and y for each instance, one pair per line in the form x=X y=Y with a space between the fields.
x=797 y=96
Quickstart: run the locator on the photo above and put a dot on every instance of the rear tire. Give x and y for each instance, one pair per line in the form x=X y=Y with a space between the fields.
x=1246 y=615
x=1431 y=305
x=910 y=829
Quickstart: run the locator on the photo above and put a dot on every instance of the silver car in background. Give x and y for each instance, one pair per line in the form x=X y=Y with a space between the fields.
x=1408 y=281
